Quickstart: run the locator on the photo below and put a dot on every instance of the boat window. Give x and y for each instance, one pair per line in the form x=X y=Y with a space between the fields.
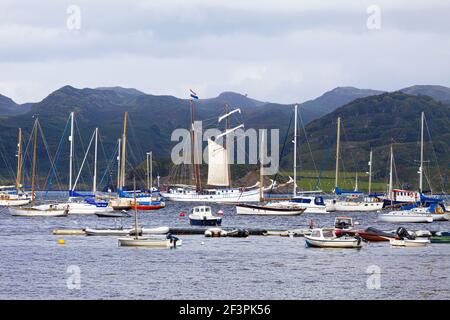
x=328 y=234
x=315 y=234
x=319 y=201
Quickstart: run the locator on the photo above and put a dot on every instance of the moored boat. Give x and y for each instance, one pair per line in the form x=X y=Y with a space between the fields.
x=267 y=210
x=327 y=238
x=409 y=242
x=33 y=212
x=149 y=242
x=202 y=216
x=405 y=217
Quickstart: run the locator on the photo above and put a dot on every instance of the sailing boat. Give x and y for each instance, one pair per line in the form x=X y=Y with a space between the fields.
x=267 y=209
x=10 y=196
x=32 y=211
x=218 y=174
x=140 y=241
x=139 y=200
x=81 y=204
x=352 y=202
x=311 y=204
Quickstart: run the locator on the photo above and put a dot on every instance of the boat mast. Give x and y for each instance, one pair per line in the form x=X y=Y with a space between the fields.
x=94 y=184
x=261 y=168
x=197 y=177
x=135 y=209
x=124 y=141
x=225 y=146
x=36 y=123
x=149 y=171
x=19 y=160
x=356 y=182
x=337 y=151
x=118 y=163
x=421 y=155
x=370 y=172
x=295 y=152
x=391 y=172
x=71 y=151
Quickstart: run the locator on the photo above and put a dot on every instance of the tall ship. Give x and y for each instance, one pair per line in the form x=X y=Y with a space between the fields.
x=219 y=179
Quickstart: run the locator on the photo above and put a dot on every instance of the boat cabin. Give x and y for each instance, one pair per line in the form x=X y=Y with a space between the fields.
x=318 y=201
x=323 y=233
x=343 y=223
x=201 y=211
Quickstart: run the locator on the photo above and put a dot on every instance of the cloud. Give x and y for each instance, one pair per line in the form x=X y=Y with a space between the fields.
x=283 y=51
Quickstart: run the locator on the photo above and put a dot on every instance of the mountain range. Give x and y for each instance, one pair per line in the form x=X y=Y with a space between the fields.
x=371 y=118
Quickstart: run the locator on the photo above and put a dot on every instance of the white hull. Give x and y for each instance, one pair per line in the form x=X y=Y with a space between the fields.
x=332 y=243
x=32 y=212
x=266 y=211
x=226 y=197
x=347 y=206
x=159 y=230
x=14 y=202
x=308 y=208
x=77 y=208
x=409 y=243
x=440 y=216
x=400 y=217
x=147 y=242
x=109 y=232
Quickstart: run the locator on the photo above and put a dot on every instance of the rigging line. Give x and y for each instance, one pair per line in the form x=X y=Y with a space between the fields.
x=282 y=150
x=307 y=141
x=58 y=152
x=7 y=163
x=80 y=139
x=441 y=178
x=82 y=164
x=47 y=149
x=109 y=163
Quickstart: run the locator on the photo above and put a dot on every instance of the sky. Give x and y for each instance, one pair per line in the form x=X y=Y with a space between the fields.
x=282 y=51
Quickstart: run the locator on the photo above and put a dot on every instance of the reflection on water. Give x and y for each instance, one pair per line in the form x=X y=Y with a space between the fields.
x=34 y=266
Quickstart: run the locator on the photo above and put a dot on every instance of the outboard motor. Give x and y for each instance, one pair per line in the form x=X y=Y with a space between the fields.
x=172 y=239
x=402 y=233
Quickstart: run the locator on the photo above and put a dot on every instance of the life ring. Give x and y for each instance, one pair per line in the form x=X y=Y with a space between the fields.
x=411 y=194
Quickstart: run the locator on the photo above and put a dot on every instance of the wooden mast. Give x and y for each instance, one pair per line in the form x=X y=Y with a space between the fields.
x=198 y=186
x=19 y=162
x=337 y=151
x=34 y=161
x=124 y=142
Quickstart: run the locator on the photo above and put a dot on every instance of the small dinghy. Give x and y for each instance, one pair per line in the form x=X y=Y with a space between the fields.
x=268 y=210
x=159 y=230
x=122 y=214
x=405 y=217
x=326 y=238
x=407 y=239
x=110 y=231
x=215 y=232
x=409 y=243
x=169 y=241
x=202 y=216
x=440 y=237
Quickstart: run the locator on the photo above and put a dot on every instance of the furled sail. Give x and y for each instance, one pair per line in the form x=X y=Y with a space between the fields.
x=217 y=164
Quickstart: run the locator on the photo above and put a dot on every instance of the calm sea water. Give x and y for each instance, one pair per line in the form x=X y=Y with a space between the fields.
x=34 y=266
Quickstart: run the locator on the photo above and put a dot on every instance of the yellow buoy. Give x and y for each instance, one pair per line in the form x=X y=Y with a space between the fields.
x=61 y=241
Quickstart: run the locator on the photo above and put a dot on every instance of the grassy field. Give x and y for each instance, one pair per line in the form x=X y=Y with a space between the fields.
x=307 y=180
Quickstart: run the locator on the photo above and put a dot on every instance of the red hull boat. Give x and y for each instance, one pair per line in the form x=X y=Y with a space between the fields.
x=369 y=234
x=147 y=207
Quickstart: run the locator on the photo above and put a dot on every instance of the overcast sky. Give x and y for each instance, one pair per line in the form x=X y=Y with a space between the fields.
x=281 y=50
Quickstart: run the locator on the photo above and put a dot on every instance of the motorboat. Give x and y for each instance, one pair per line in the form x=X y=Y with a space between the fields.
x=368 y=234
x=202 y=216
x=440 y=237
x=405 y=217
x=327 y=238
x=121 y=214
x=408 y=239
x=343 y=223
